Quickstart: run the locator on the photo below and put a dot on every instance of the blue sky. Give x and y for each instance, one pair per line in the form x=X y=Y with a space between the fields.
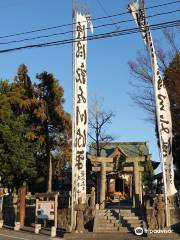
x=108 y=73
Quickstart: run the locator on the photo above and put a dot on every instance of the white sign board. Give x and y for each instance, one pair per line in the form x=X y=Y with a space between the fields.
x=45 y=210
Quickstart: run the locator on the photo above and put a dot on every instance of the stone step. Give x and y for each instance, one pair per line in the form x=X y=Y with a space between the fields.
x=105 y=218
x=131 y=224
x=110 y=225
x=123 y=229
x=134 y=225
x=107 y=230
x=114 y=221
x=130 y=210
x=131 y=217
x=107 y=227
x=108 y=221
x=128 y=214
x=110 y=217
x=103 y=211
x=131 y=221
x=102 y=215
x=115 y=229
x=117 y=211
x=126 y=210
x=128 y=227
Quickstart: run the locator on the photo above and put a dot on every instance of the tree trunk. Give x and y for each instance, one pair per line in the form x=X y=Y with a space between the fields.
x=49 y=159
x=97 y=141
x=50 y=174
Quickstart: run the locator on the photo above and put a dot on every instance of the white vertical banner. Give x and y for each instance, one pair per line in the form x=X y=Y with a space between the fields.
x=80 y=111
x=163 y=112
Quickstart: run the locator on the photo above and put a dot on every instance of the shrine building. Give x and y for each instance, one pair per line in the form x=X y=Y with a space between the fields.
x=118 y=172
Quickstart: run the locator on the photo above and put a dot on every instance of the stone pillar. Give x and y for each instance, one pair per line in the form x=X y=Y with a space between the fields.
x=98 y=188
x=53 y=231
x=17 y=226
x=136 y=184
x=130 y=188
x=103 y=186
x=1 y=223
x=140 y=187
x=37 y=228
x=93 y=198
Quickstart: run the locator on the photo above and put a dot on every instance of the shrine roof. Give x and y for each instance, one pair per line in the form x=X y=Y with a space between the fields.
x=131 y=149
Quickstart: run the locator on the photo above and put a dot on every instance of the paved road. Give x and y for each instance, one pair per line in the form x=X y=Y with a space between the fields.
x=22 y=235
x=12 y=235
x=119 y=236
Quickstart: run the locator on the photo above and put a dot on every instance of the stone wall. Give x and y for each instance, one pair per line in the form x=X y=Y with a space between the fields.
x=175 y=218
x=10 y=210
x=64 y=210
x=64 y=218
x=173 y=212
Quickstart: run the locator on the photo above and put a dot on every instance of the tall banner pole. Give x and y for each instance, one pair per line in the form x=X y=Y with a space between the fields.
x=73 y=123
x=80 y=108
x=163 y=113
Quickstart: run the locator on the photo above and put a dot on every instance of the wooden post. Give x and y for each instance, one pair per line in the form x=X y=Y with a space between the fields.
x=55 y=210
x=21 y=205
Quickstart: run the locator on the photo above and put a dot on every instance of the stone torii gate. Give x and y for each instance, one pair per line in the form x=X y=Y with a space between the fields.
x=105 y=164
x=133 y=165
x=137 y=170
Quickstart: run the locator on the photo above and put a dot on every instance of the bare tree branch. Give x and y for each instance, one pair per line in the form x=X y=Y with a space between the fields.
x=141 y=71
x=98 y=121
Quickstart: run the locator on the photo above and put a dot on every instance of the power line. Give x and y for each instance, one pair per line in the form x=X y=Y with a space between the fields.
x=104 y=10
x=94 y=19
x=151 y=7
x=95 y=27
x=97 y=36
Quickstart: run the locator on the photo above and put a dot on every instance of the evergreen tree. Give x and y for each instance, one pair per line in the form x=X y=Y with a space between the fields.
x=17 y=153
x=54 y=122
x=147 y=175
x=35 y=129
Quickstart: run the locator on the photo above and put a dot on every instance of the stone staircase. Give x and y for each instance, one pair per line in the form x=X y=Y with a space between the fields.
x=113 y=220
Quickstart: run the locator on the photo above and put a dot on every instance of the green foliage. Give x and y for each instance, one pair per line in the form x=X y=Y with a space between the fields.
x=148 y=174
x=54 y=123
x=17 y=155
x=34 y=128
x=17 y=152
